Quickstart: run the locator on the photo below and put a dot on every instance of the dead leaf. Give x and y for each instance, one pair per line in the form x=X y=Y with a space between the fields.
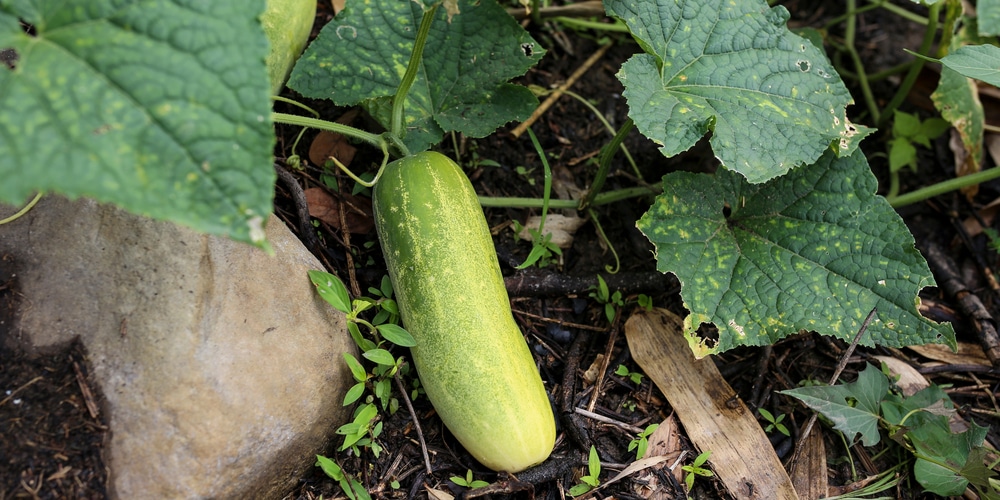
x=965 y=161
x=910 y=380
x=590 y=376
x=968 y=354
x=327 y=144
x=665 y=441
x=561 y=227
x=713 y=416
x=327 y=209
x=436 y=494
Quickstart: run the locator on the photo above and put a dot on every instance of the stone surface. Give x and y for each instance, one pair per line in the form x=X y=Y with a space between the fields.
x=220 y=368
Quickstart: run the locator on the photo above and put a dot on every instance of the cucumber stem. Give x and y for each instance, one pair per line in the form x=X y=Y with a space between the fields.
x=416 y=57
x=607 y=153
x=601 y=199
x=944 y=187
x=345 y=130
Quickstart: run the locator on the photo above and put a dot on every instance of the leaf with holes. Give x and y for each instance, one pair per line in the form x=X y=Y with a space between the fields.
x=160 y=107
x=361 y=56
x=770 y=98
x=815 y=250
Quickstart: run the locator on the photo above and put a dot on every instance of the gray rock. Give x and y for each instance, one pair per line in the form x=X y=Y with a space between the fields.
x=220 y=367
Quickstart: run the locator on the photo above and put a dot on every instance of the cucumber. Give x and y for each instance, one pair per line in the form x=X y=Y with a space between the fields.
x=470 y=355
x=287 y=24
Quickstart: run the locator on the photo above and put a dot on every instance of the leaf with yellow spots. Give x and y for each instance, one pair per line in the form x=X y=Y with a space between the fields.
x=161 y=108
x=472 y=51
x=731 y=67
x=813 y=250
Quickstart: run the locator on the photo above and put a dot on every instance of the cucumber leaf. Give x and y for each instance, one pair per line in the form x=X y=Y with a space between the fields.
x=161 y=108
x=770 y=98
x=813 y=250
x=362 y=54
x=852 y=407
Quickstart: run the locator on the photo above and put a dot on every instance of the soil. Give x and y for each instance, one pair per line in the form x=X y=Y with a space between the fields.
x=52 y=444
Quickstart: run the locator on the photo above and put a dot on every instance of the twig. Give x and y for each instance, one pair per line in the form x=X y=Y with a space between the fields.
x=416 y=421
x=19 y=389
x=604 y=362
x=301 y=207
x=88 y=395
x=833 y=380
x=608 y=420
x=560 y=322
x=345 y=233
x=591 y=8
x=574 y=427
x=596 y=56
x=542 y=283
x=951 y=282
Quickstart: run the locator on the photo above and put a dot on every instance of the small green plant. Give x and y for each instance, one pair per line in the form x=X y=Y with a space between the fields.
x=604 y=296
x=641 y=442
x=945 y=464
x=696 y=469
x=467 y=481
x=365 y=428
x=644 y=301
x=526 y=173
x=351 y=486
x=590 y=481
x=994 y=238
x=623 y=371
x=774 y=423
x=543 y=251
x=908 y=130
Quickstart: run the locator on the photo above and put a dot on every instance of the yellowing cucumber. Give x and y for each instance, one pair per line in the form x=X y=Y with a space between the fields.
x=471 y=357
x=287 y=24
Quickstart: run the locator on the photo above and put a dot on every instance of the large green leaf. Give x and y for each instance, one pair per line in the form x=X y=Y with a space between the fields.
x=770 y=98
x=813 y=250
x=981 y=62
x=852 y=407
x=160 y=107
x=361 y=56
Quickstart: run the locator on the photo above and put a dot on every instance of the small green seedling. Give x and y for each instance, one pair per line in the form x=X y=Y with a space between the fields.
x=641 y=442
x=604 y=296
x=526 y=173
x=383 y=329
x=351 y=486
x=696 y=469
x=635 y=377
x=467 y=481
x=645 y=301
x=774 y=423
x=908 y=129
x=543 y=251
x=591 y=480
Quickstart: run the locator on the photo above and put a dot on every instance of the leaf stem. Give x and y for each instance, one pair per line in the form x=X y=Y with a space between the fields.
x=345 y=130
x=396 y=127
x=944 y=187
x=583 y=24
x=24 y=210
x=601 y=199
x=607 y=153
x=911 y=77
x=859 y=67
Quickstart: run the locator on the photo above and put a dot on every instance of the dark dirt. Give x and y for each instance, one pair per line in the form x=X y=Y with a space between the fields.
x=52 y=446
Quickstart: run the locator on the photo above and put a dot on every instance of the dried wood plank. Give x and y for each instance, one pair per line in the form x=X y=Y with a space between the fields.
x=712 y=414
x=809 y=474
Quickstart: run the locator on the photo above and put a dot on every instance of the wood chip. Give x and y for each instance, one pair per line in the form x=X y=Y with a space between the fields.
x=711 y=412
